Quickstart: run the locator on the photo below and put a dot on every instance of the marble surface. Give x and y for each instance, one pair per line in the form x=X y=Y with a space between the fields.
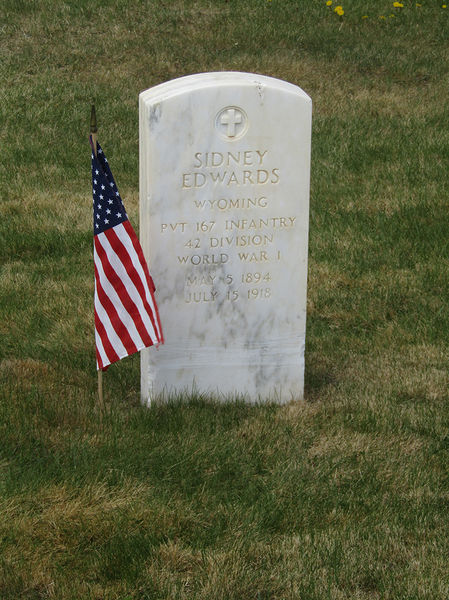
x=224 y=213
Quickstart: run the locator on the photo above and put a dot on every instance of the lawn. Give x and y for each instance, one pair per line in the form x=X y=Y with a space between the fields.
x=344 y=495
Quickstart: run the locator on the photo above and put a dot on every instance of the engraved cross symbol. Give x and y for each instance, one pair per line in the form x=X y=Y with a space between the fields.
x=231 y=118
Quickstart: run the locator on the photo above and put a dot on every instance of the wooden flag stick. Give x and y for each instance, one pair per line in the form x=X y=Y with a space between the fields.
x=93 y=133
x=100 y=391
x=93 y=128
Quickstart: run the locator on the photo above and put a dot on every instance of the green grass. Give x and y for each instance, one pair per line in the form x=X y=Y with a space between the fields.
x=342 y=496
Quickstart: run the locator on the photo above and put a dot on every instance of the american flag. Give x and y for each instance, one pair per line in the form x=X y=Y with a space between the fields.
x=126 y=314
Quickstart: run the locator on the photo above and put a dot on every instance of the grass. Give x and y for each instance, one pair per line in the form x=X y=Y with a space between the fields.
x=342 y=496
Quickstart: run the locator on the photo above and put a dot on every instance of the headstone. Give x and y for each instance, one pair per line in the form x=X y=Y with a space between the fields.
x=224 y=212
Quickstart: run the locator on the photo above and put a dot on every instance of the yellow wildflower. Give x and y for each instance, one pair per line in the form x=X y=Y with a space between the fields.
x=339 y=10
x=398 y=5
x=329 y=2
x=365 y=17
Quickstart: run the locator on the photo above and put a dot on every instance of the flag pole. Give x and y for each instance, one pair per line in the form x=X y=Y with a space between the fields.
x=93 y=128
x=93 y=133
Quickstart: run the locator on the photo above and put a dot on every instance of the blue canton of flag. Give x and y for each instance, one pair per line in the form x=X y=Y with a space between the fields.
x=107 y=204
x=126 y=314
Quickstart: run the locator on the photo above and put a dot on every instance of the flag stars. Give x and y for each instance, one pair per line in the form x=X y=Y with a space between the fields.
x=108 y=210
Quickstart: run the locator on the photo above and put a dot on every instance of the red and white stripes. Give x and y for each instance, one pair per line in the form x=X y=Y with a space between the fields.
x=126 y=314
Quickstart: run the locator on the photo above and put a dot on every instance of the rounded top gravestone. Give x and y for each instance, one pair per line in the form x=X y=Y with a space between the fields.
x=224 y=212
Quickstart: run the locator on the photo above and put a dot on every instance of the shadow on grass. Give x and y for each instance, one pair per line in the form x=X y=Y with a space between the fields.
x=318 y=376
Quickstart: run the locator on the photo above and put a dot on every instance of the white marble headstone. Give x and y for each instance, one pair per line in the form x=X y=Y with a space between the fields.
x=224 y=213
